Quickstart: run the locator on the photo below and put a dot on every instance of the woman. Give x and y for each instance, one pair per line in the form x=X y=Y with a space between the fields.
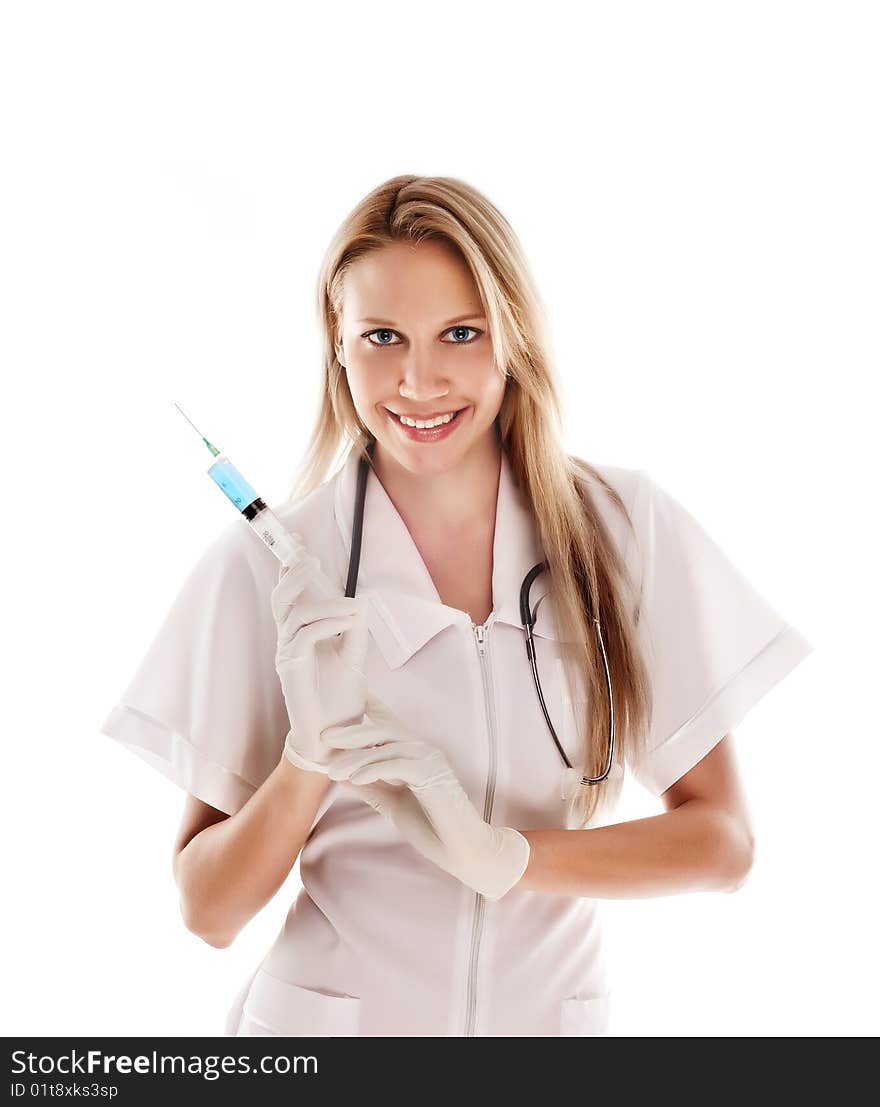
x=489 y=924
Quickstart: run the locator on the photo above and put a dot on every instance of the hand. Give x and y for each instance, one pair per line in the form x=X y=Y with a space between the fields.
x=320 y=660
x=412 y=783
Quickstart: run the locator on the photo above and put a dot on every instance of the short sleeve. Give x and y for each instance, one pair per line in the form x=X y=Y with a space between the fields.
x=712 y=643
x=205 y=706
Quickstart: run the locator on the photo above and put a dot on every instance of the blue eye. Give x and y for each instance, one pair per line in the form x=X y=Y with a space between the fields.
x=383 y=330
x=388 y=331
x=462 y=327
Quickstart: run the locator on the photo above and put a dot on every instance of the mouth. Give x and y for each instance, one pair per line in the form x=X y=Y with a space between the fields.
x=427 y=434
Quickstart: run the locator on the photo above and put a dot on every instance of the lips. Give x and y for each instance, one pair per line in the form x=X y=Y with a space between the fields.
x=429 y=434
x=424 y=418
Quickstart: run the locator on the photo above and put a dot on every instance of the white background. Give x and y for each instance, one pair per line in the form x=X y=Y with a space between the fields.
x=695 y=186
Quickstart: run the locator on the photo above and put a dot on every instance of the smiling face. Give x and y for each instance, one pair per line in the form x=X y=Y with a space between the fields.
x=415 y=341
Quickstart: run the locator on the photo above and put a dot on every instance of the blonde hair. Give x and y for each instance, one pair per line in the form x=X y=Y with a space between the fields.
x=586 y=570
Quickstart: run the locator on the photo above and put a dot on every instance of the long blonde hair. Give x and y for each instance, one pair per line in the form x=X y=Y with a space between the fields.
x=586 y=570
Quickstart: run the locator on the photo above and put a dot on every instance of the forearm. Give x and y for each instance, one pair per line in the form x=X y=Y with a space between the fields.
x=231 y=869
x=693 y=848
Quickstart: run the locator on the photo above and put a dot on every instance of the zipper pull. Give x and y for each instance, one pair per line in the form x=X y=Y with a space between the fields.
x=480 y=632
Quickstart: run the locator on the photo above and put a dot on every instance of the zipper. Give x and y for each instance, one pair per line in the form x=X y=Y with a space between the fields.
x=481 y=636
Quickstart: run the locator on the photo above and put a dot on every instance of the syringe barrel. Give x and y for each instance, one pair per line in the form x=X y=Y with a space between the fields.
x=286 y=545
x=231 y=483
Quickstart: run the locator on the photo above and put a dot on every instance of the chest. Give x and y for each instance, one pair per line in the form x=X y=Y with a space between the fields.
x=461 y=572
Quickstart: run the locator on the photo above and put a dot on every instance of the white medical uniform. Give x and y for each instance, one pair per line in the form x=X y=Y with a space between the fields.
x=380 y=941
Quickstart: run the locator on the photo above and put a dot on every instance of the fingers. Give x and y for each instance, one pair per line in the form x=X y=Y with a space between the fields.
x=393 y=762
x=371 y=732
x=352 y=647
x=355 y=736
x=344 y=619
x=300 y=612
x=381 y=725
x=342 y=690
x=291 y=577
x=306 y=638
x=292 y=582
x=374 y=795
x=412 y=771
x=299 y=687
x=381 y=714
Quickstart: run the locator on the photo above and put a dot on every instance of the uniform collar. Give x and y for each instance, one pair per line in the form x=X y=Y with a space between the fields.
x=406 y=609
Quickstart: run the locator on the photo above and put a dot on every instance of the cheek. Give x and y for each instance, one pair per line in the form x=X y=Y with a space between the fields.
x=368 y=383
x=489 y=390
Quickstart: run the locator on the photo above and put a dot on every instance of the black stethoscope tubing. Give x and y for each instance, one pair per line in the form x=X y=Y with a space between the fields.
x=354 y=561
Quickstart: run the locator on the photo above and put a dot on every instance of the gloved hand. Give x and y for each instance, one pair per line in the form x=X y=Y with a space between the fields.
x=322 y=676
x=412 y=783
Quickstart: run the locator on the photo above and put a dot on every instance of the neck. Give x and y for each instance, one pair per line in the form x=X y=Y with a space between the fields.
x=456 y=500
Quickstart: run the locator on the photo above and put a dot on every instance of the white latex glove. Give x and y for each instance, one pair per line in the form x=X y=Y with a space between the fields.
x=412 y=783
x=322 y=676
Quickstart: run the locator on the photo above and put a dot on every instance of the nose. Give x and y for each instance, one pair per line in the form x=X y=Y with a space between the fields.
x=421 y=382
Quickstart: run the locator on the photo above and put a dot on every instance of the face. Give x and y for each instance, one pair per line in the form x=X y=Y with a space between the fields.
x=415 y=341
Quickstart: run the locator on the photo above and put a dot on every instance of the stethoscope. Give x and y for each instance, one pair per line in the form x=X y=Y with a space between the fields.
x=525 y=614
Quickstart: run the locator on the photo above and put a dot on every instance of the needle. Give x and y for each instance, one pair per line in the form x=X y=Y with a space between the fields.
x=211 y=447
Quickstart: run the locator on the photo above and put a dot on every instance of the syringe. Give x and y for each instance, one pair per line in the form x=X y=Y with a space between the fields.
x=287 y=547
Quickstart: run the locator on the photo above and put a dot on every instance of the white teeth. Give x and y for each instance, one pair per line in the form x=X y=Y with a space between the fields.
x=424 y=424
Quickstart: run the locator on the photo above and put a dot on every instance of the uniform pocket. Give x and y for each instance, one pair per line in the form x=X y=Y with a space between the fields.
x=277 y=1008
x=584 y=1017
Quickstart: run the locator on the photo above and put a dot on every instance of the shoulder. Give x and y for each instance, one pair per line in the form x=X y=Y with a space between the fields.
x=615 y=490
x=626 y=482
x=649 y=505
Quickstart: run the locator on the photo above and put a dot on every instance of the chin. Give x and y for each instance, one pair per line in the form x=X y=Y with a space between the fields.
x=425 y=461
x=435 y=458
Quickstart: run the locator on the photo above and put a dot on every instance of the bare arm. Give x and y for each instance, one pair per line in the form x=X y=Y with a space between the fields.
x=703 y=842
x=228 y=867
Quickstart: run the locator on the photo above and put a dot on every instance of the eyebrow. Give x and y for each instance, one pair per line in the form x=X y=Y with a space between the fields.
x=454 y=319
